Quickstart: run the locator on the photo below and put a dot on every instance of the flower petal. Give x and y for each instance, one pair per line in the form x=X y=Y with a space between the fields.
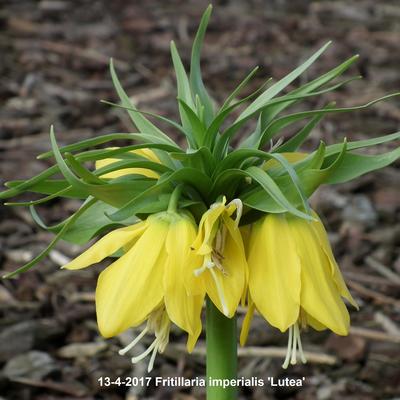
x=126 y=171
x=337 y=275
x=107 y=245
x=274 y=271
x=183 y=309
x=244 y=333
x=207 y=229
x=319 y=295
x=129 y=289
x=233 y=278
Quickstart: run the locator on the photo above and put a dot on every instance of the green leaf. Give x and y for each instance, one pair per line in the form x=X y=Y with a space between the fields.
x=246 y=154
x=201 y=159
x=273 y=90
x=47 y=250
x=196 y=179
x=277 y=125
x=254 y=139
x=14 y=191
x=196 y=125
x=271 y=113
x=196 y=81
x=310 y=180
x=142 y=123
x=183 y=88
x=359 y=144
x=92 y=222
x=50 y=187
x=87 y=143
x=355 y=165
x=114 y=193
x=160 y=117
x=297 y=140
x=238 y=89
x=222 y=114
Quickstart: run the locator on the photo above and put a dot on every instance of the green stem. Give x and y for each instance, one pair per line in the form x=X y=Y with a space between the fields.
x=173 y=201
x=221 y=353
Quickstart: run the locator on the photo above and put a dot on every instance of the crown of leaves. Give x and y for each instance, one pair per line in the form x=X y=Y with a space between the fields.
x=210 y=165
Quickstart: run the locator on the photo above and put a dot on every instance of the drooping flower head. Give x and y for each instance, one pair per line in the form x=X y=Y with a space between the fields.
x=148 y=281
x=223 y=272
x=294 y=280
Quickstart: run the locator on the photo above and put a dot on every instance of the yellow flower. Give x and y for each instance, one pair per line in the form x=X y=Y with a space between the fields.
x=148 y=281
x=223 y=274
x=292 y=158
x=147 y=153
x=294 y=279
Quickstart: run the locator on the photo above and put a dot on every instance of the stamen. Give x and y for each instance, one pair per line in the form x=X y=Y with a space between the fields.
x=145 y=353
x=293 y=359
x=133 y=343
x=294 y=345
x=302 y=356
x=152 y=359
x=289 y=348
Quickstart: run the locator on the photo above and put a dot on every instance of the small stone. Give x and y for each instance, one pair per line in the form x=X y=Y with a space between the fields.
x=350 y=348
x=76 y=350
x=16 y=339
x=360 y=210
x=32 y=365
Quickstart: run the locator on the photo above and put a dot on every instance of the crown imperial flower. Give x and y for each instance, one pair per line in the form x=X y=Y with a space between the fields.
x=224 y=270
x=294 y=279
x=149 y=276
x=173 y=250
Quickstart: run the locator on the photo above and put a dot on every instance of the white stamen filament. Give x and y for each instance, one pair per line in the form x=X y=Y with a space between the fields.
x=146 y=352
x=152 y=359
x=133 y=343
x=294 y=345
x=158 y=323
x=302 y=356
x=289 y=348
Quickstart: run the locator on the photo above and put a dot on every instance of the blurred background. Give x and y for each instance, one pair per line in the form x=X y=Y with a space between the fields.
x=54 y=70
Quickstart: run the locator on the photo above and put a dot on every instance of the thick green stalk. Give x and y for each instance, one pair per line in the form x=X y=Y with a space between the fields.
x=221 y=353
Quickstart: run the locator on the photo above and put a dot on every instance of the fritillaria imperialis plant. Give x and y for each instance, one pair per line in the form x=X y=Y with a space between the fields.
x=214 y=222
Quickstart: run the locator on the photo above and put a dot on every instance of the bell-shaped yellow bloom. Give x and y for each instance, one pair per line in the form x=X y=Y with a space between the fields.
x=294 y=279
x=224 y=270
x=147 y=153
x=148 y=280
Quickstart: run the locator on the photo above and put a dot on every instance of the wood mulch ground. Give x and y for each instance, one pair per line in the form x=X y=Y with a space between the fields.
x=54 y=70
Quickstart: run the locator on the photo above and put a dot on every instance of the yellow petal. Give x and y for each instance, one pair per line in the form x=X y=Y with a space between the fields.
x=274 y=271
x=319 y=295
x=314 y=323
x=320 y=231
x=245 y=231
x=207 y=229
x=129 y=289
x=107 y=245
x=244 y=333
x=126 y=171
x=232 y=279
x=290 y=157
x=183 y=309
